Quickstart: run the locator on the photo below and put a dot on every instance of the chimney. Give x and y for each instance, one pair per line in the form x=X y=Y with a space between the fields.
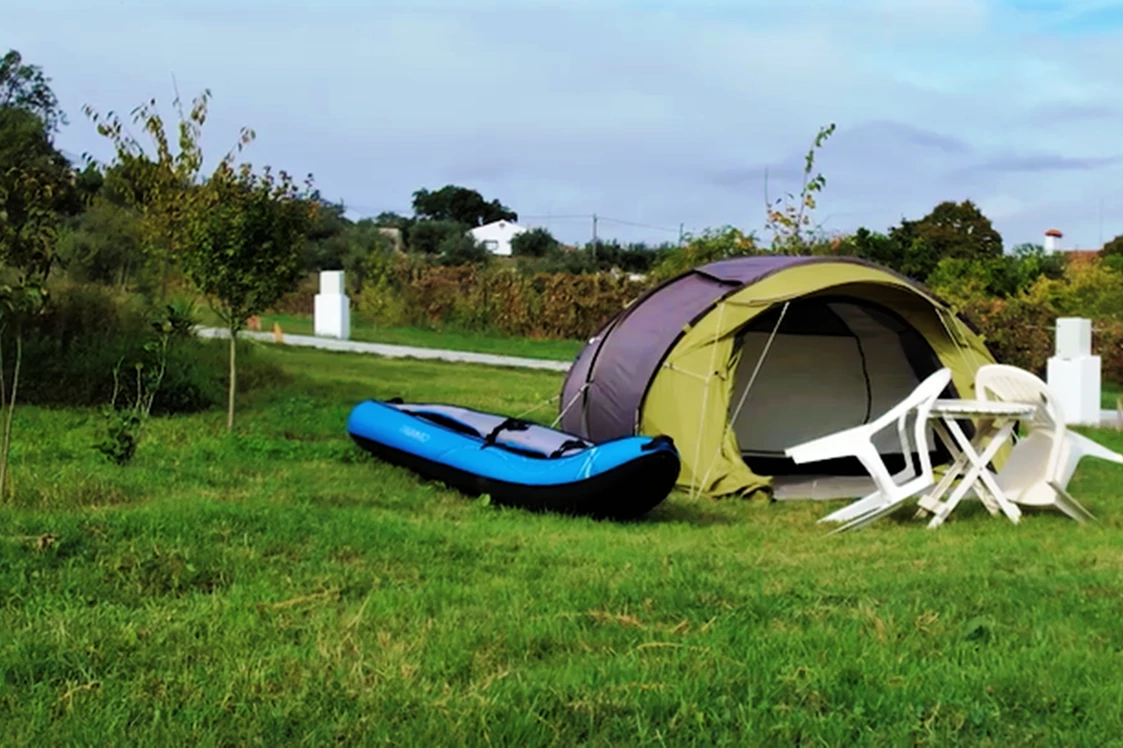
x=1051 y=237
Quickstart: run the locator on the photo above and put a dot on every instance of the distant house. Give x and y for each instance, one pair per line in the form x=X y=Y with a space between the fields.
x=497 y=235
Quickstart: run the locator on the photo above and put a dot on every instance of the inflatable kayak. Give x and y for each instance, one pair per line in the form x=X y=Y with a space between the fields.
x=516 y=462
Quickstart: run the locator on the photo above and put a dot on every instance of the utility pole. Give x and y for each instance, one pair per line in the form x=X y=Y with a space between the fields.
x=680 y=234
x=594 y=237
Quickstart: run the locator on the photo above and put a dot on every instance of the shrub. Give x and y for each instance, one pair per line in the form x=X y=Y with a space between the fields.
x=537 y=242
x=71 y=350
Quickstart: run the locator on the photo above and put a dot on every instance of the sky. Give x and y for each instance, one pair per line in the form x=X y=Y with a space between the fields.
x=654 y=115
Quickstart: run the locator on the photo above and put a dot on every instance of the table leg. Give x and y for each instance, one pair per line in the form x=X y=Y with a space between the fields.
x=979 y=473
x=930 y=502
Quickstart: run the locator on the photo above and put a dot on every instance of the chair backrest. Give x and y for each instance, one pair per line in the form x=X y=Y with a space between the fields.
x=1008 y=383
x=919 y=400
x=1011 y=384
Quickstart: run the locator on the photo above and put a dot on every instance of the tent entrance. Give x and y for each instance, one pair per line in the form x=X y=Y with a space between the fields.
x=834 y=362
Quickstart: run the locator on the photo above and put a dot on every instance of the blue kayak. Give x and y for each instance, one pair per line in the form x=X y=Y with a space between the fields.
x=516 y=462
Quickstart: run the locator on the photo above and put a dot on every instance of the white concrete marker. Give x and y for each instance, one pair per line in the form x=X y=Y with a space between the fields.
x=1074 y=373
x=332 y=313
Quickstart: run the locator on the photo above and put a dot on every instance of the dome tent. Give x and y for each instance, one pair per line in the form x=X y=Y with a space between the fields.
x=741 y=358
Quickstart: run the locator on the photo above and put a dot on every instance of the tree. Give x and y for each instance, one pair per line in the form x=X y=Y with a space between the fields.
x=28 y=224
x=36 y=187
x=244 y=246
x=426 y=237
x=26 y=87
x=958 y=230
x=467 y=206
x=25 y=145
x=537 y=242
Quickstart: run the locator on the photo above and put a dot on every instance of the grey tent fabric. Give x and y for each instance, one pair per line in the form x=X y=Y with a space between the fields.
x=641 y=335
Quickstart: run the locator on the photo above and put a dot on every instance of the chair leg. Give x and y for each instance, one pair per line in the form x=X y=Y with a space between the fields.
x=856 y=509
x=1070 y=505
x=1085 y=447
x=884 y=509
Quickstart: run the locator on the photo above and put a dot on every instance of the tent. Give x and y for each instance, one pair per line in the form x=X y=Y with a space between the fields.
x=738 y=359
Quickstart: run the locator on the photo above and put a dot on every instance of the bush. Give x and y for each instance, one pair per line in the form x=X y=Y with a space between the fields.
x=537 y=242
x=71 y=349
x=495 y=299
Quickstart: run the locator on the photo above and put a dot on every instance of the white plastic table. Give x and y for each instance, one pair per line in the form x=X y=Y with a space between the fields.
x=996 y=422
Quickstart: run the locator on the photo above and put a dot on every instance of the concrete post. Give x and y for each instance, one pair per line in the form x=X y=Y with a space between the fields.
x=1073 y=373
x=332 y=317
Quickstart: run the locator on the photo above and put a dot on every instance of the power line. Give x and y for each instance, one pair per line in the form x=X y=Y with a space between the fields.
x=641 y=225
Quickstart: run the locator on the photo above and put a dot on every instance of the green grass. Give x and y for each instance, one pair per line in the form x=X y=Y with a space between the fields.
x=1110 y=394
x=554 y=350
x=278 y=587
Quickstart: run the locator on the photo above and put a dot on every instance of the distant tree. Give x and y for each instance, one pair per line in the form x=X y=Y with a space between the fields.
x=902 y=250
x=1113 y=248
x=712 y=245
x=25 y=147
x=103 y=245
x=958 y=230
x=26 y=87
x=244 y=240
x=537 y=242
x=454 y=203
x=426 y=237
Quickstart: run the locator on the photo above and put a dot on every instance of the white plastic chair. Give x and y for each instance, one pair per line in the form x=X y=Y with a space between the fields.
x=1041 y=463
x=892 y=489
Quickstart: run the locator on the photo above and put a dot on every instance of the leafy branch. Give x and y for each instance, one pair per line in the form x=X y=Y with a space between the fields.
x=788 y=216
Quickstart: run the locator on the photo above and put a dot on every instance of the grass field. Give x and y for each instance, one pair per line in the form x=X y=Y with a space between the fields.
x=278 y=587
x=1110 y=394
x=555 y=350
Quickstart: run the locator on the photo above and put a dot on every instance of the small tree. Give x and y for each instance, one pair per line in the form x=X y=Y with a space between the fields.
x=158 y=184
x=786 y=220
x=244 y=246
x=28 y=226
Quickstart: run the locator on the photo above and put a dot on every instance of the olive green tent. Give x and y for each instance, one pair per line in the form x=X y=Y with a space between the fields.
x=739 y=359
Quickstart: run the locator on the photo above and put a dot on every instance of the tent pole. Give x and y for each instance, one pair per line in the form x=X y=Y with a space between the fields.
x=759 y=363
x=705 y=399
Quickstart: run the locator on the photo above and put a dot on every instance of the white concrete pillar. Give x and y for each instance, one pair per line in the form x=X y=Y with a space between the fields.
x=1073 y=373
x=332 y=315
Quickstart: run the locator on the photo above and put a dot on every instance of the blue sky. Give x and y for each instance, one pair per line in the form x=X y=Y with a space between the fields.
x=653 y=112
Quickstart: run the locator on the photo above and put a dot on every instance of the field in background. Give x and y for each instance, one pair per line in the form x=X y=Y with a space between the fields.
x=278 y=586
x=555 y=350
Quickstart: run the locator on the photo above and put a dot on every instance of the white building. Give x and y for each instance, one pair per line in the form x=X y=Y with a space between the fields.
x=497 y=235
